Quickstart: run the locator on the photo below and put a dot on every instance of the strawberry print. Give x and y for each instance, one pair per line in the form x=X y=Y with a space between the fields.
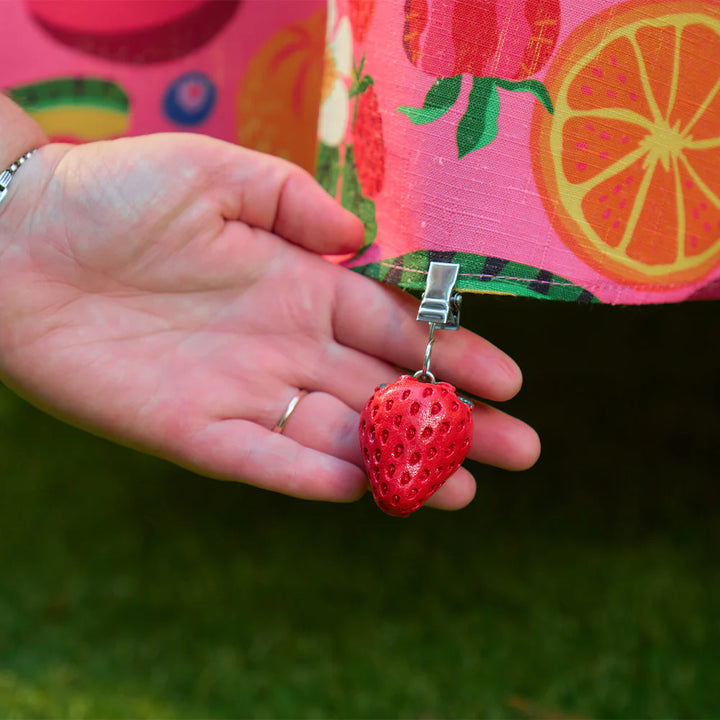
x=413 y=436
x=369 y=144
x=499 y=43
x=361 y=15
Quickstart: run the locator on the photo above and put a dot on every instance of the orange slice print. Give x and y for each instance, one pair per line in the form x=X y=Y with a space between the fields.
x=629 y=164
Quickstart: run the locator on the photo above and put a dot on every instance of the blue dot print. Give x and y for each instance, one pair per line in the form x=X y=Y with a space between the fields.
x=189 y=99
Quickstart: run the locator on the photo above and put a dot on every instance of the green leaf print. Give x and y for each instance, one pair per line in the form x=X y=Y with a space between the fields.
x=479 y=125
x=360 y=86
x=439 y=99
x=532 y=86
x=353 y=199
x=328 y=167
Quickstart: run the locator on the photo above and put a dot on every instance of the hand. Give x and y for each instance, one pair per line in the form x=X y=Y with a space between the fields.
x=166 y=292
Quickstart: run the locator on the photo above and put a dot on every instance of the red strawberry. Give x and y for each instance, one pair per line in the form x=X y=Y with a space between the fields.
x=369 y=144
x=413 y=435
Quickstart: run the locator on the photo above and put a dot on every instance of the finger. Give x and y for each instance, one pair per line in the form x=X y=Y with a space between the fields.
x=306 y=215
x=329 y=424
x=272 y=194
x=350 y=378
x=498 y=438
x=502 y=440
x=241 y=450
x=325 y=423
x=382 y=321
x=351 y=375
x=457 y=492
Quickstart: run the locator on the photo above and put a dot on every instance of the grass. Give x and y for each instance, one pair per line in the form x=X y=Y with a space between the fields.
x=587 y=587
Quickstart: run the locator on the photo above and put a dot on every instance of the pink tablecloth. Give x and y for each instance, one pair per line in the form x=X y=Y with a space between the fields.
x=559 y=149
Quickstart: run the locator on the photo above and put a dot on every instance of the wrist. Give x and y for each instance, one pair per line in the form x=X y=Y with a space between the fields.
x=19 y=133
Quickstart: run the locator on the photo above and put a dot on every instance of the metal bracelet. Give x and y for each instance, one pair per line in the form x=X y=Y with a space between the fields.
x=7 y=175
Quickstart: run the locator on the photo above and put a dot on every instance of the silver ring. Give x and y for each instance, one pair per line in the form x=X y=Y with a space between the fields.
x=289 y=411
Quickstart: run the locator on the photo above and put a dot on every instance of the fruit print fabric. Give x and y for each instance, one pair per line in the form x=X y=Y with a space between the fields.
x=279 y=96
x=76 y=109
x=466 y=128
x=574 y=145
x=639 y=180
x=94 y=69
x=445 y=39
x=190 y=99
x=122 y=31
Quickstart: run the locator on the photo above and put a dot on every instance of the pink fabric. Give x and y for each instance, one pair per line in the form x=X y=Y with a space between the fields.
x=498 y=201
x=142 y=47
x=507 y=179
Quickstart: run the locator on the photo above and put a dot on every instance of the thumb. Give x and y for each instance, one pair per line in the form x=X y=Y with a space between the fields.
x=275 y=195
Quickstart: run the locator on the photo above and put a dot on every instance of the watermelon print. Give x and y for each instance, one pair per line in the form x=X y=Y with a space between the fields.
x=99 y=69
x=51 y=93
x=559 y=149
x=477 y=274
x=76 y=109
x=117 y=30
x=556 y=149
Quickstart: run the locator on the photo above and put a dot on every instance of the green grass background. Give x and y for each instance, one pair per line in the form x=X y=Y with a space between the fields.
x=586 y=587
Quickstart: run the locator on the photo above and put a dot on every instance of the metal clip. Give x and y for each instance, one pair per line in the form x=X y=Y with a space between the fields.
x=440 y=306
x=440 y=303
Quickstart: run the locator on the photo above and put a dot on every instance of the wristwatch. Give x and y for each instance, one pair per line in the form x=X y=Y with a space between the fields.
x=7 y=175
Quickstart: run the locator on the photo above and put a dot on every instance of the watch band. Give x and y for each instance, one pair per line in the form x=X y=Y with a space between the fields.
x=7 y=175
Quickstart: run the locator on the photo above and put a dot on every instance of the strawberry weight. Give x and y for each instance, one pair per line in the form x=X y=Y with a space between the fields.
x=413 y=436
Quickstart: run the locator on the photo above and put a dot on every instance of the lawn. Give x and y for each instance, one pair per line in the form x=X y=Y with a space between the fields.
x=587 y=587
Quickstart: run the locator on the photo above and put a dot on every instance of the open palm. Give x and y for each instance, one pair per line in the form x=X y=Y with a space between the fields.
x=167 y=292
